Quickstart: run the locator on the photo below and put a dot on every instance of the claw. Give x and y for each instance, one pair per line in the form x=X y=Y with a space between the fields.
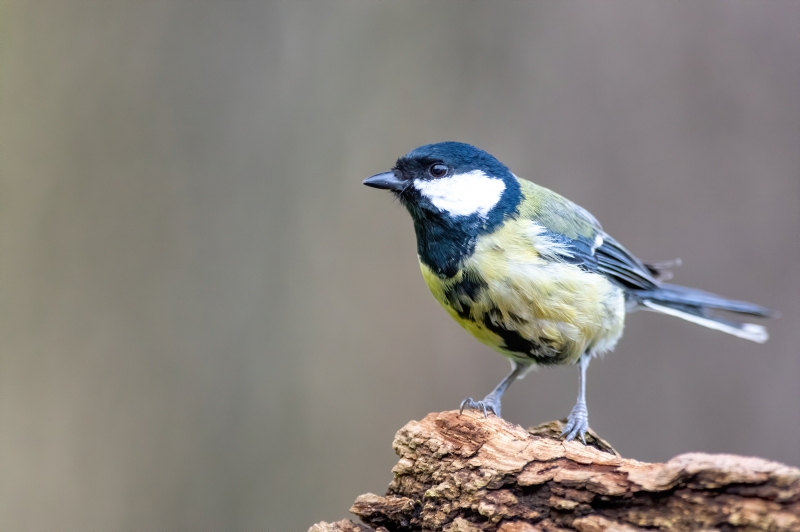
x=466 y=402
x=577 y=424
x=486 y=405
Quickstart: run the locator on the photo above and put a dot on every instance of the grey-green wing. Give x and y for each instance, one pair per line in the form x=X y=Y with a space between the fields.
x=583 y=240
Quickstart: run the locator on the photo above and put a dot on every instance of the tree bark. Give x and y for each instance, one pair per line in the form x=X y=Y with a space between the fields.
x=464 y=473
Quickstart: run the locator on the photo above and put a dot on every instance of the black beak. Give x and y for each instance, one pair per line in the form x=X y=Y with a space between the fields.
x=386 y=180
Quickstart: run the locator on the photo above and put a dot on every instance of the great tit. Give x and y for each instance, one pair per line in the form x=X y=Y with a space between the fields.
x=531 y=274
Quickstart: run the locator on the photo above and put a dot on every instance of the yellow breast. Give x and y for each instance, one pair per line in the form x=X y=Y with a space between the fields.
x=527 y=308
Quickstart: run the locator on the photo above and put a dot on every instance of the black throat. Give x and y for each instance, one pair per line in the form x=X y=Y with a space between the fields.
x=443 y=243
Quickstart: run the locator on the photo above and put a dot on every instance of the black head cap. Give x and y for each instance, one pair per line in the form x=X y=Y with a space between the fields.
x=461 y=158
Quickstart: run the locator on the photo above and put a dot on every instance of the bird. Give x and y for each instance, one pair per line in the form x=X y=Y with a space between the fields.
x=531 y=274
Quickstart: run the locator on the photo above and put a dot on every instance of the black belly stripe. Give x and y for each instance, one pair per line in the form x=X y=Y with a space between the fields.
x=540 y=351
x=463 y=294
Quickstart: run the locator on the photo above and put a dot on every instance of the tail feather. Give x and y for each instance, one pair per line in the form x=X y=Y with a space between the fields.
x=748 y=331
x=695 y=305
x=669 y=294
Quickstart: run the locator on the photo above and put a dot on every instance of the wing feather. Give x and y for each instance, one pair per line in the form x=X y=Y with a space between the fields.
x=582 y=238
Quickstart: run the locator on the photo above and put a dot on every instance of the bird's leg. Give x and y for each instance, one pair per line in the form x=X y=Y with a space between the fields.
x=578 y=421
x=492 y=401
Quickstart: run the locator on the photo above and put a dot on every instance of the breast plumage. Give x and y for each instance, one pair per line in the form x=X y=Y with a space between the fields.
x=526 y=306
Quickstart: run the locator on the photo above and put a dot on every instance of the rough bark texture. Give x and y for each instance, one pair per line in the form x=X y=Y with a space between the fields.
x=463 y=473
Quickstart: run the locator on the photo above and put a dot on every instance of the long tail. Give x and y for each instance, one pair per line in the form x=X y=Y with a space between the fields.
x=696 y=306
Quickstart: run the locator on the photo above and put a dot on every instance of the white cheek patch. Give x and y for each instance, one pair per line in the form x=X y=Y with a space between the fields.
x=463 y=194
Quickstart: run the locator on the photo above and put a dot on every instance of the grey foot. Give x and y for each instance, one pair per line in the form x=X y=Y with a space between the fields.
x=490 y=403
x=577 y=423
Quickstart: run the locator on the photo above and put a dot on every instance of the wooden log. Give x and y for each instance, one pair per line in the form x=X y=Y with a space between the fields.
x=464 y=473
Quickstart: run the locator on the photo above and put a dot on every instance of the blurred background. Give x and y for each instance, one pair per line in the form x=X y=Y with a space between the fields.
x=208 y=323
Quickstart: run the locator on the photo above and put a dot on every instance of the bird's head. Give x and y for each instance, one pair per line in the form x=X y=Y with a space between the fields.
x=452 y=182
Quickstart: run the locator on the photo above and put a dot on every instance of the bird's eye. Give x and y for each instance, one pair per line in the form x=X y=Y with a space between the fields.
x=437 y=170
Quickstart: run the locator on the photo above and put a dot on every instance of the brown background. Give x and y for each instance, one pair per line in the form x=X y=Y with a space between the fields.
x=208 y=323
